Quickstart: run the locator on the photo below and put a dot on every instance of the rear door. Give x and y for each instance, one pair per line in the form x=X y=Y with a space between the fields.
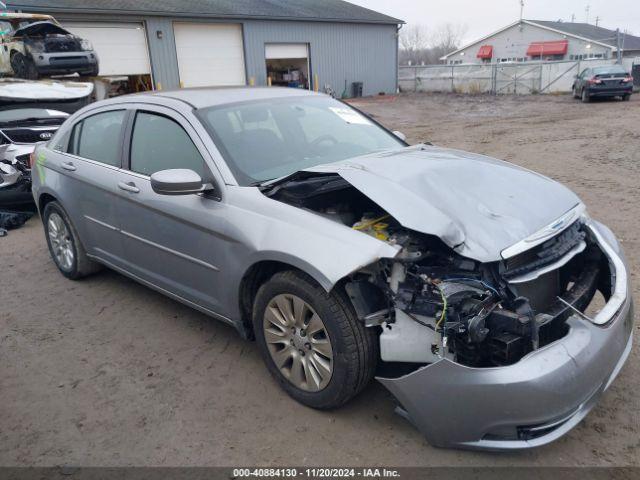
x=176 y=243
x=88 y=166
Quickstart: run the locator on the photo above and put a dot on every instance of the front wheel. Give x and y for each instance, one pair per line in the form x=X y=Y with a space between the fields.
x=574 y=91
x=24 y=67
x=312 y=342
x=626 y=97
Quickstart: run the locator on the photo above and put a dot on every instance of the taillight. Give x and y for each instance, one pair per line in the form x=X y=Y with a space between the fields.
x=595 y=81
x=32 y=159
x=627 y=79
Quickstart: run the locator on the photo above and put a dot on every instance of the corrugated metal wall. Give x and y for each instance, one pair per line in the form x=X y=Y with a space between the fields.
x=340 y=52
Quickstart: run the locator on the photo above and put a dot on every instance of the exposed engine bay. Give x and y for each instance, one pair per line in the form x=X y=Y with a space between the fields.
x=431 y=303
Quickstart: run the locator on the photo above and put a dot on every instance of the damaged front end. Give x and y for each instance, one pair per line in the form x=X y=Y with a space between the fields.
x=501 y=354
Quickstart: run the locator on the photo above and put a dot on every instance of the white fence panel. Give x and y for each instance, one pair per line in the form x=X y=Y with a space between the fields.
x=501 y=78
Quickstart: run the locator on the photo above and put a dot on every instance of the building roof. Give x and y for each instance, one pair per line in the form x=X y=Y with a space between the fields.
x=583 y=31
x=597 y=34
x=309 y=10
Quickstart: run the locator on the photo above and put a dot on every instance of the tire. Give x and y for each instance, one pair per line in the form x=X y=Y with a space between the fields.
x=354 y=349
x=626 y=97
x=585 y=96
x=76 y=264
x=24 y=67
x=574 y=92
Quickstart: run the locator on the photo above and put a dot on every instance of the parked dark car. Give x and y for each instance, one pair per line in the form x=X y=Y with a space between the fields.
x=606 y=81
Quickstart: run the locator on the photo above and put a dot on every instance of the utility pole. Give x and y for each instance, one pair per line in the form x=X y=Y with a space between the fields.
x=521 y=10
x=573 y=18
x=587 y=8
x=597 y=20
x=618 y=47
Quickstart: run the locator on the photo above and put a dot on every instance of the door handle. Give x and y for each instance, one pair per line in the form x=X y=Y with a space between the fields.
x=69 y=166
x=128 y=187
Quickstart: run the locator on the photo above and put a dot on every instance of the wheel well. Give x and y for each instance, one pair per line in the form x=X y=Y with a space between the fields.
x=43 y=200
x=257 y=275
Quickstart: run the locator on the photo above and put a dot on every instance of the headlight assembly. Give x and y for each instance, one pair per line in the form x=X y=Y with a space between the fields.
x=86 y=45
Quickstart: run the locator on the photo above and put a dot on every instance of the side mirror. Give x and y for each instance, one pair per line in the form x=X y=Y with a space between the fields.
x=177 y=181
x=400 y=135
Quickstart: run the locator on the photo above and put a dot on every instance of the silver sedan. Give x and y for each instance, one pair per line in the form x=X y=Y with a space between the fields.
x=465 y=284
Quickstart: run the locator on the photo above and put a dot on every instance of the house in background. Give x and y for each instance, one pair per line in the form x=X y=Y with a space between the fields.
x=191 y=43
x=535 y=40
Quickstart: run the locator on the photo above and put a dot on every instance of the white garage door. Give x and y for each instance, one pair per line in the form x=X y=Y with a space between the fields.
x=209 y=54
x=274 y=51
x=121 y=47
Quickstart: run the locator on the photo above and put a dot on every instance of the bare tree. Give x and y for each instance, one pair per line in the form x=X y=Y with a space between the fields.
x=418 y=45
x=447 y=38
x=413 y=41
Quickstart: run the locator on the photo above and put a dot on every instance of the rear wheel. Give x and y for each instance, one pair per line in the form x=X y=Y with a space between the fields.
x=585 y=96
x=312 y=342
x=64 y=244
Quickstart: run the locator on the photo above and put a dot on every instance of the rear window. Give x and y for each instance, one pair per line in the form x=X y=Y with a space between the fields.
x=609 y=70
x=99 y=137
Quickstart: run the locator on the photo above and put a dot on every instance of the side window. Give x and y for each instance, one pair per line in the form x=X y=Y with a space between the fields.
x=585 y=73
x=5 y=28
x=99 y=137
x=159 y=143
x=61 y=142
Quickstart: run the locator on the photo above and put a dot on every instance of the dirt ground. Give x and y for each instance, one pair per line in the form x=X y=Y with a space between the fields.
x=107 y=372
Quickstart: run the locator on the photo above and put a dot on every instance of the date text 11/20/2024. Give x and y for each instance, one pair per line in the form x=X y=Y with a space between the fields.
x=315 y=473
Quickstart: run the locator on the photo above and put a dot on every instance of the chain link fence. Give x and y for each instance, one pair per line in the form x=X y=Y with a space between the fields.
x=497 y=78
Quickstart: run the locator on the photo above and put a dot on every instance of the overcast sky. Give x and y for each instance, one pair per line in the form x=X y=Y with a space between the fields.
x=486 y=16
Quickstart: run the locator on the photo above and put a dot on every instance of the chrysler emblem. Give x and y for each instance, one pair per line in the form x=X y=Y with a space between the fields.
x=46 y=135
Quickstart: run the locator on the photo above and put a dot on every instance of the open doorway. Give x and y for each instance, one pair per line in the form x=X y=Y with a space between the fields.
x=288 y=65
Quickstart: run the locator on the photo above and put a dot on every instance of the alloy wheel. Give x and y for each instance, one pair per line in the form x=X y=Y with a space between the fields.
x=61 y=242
x=298 y=342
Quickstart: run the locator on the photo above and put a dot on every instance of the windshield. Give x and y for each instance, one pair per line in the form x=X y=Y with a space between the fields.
x=274 y=138
x=21 y=114
x=615 y=69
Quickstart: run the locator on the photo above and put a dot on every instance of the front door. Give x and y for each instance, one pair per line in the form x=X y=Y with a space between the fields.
x=176 y=242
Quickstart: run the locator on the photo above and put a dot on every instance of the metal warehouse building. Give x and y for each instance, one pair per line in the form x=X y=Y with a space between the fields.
x=535 y=40
x=189 y=43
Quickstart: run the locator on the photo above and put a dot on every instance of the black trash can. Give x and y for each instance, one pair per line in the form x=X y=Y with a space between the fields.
x=356 y=89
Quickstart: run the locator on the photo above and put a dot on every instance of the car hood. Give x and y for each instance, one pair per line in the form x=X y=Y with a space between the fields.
x=14 y=90
x=41 y=28
x=477 y=205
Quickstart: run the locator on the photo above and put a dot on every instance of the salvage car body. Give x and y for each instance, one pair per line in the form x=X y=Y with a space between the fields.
x=475 y=272
x=40 y=46
x=31 y=112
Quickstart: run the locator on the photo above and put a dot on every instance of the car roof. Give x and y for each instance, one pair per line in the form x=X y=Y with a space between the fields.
x=215 y=96
x=24 y=16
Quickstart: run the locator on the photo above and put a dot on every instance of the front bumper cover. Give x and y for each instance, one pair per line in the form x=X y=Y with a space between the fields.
x=527 y=404
x=65 y=62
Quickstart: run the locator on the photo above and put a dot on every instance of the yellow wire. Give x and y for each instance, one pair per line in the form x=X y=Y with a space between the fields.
x=444 y=307
x=369 y=223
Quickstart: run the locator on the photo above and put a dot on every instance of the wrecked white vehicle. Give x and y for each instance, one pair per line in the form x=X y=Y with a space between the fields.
x=34 y=45
x=458 y=280
x=30 y=112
